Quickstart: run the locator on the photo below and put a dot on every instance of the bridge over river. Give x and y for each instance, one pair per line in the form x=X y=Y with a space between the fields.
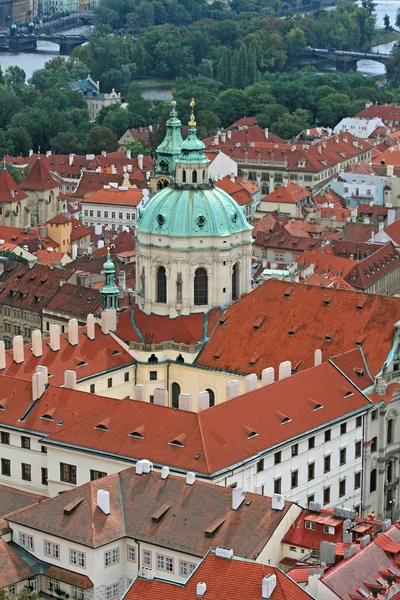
x=344 y=59
x=21 y=42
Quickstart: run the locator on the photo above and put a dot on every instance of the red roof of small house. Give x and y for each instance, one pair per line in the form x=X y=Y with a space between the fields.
x=371 y=269
x=268 y=224
x=273 y=308
x=286 y=241
x=9 y=190
x=79 y=230
x=292 y=193
x=337 y=214
x=393 y=231
x=91 y=182
x=13 y=568
x=48 y=257
x=226 y=579
x=358 y=232
x=88 y=358
x=299 y=535
x=325 y=264
x=389 y=114
x=243 y=122
x=374 y=212
x=12 y=499
x=75 y=301
x=59 y=220
x=304 y=229
x=39 y=178
x=114 y=197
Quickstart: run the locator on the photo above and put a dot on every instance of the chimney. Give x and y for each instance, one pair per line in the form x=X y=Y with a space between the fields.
x=201 y=589
x=37 y=349
x=203 y=401
x=139 y=392
x=232 y=178
x=391 y=217
x=216 y=138
x=285 y=369
x=161 y=397
x=38 y=386
x=129 y=154
x=268 y=586
x=143 y=467
x=319 y=149
x=55 y=337
x=327 y=552
x=389 y=170
x=364 y=541
x=232 y=389
x=18 y=349
x=164 y=472
x=345 y=139
x=73 y=332
x=146 y=573
x=140 y=161
x=190 y=478
x=237 y=497
x=317 y=358
x=108 y=320
x=266 y=133
x=122 y=280
x=277 y=502
x=103 y=501
x=70 y=379
x=355 y=143
x=267 y=376
x=100 y=243
x=103 y=153
x=44 y=370
x=223 y=137
x=30 y=153
x=229 y=134
x=185 y=402
x=71 y=159
x=2 y=355
x=90 y=327
x=222 y=552
x=350 y=552
x=250 y=383
x=347 y=537
x=74 y=251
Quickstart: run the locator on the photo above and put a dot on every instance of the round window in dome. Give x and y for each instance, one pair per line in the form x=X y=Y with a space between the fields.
x=160 y=219
x=201 y=221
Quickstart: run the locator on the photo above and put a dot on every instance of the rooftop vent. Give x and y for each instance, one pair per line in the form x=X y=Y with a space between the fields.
x=268 y=586
x=288 y=292
x=103 y=501
x=221 y=552
x=278 y=502
x=201 y=589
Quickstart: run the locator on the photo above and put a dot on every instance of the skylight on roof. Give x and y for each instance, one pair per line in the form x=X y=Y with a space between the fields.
x=136 y=434
x=252 y=434
x=363 y=592
x=47 y=417
x=318 y=406
x=348 y=394
x=176 y=443
x=101 y=427
x=285 y=420
x=394 y=570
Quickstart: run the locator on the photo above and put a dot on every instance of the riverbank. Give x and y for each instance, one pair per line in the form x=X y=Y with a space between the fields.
x=382 y=36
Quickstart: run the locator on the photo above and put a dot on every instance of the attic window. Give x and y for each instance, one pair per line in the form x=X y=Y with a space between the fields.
x=81 y=364
x=361 y=303
x=158 y=514
x=178 y=441
x=47 y=417
x=137 y=433
x=38 y=298
x=102 y=426
x=115 y=353
x=329 y=336
x=285 y=420
x=43 y=280
x=252 y=434
x=359 y=372
x=218 y=353
x=296 y=366
x=328 y=300
x=360 y=340
x=212 y=529
x=394 y=570
x=318 y=406
x=3 y=406
x=254 y=358
x=293 y=329
x=257 y=325
x=288 y=292
x=223 y=320
x=347 y=394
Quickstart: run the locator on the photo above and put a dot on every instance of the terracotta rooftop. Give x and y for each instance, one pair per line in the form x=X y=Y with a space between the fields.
x=92 y=182
x=292 y=193
x=393 y=231
x=114 y=197
x=268 y=224
x=88 y=358
x=286 y=241
x=327 y=195
x=189 y=512
x=79 y=230
x=12 y=499
x=387 y=112
x=325 y=263
x=75 y=300
x=371 y=269
x=337 y=214
x=59 y=220
x=226 y=579
x=13 y=568
x=48 y=257
x=32 y=289
x=243 y=122
x=39 y=178
x=215 y=439
x=358 y=232
x=273 y=308
x=374 y=212
x=9 y=190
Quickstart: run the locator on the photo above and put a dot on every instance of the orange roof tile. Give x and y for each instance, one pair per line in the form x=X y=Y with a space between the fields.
x=59 y=220
x=130 y=197
x=292 y=193
x=39 y=178
x=9 y=190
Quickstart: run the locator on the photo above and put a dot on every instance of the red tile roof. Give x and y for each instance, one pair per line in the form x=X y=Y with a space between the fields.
x=325 y=263
x=299 y=535
x=225 y=580
x=286 y=241
x=375 y=212
x=92 y=182
x=39 y=178
x=9 y=190
x=338 y=214
x=114 y=197
x=13 y=568
x=243 y=122
x=372 y=268
x=75 y=301
x=218 y=438
x=389 y=114
x=354 y=366
x=88 y=358
x=292 y=193
x=358 y=232
x=59 y=220
x=48 y=257
x=393 y=231
x=268 y=224
x=135 y=499
x=281 y=304
x=79 y=230
x=12 y=499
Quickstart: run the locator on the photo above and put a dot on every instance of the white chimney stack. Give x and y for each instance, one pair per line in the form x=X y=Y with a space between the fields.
x=38 y=385
x=2 y=355
x=164 y=472
x=90 y=327
x=74 y=250
x=70 y=379
x=232 y=389
x=139 y=393
x=45 y=371
x=268 y=376
x=37 y=349
x=143 y=467
x=18 y=349
x=201 y=589
x=140 y=161
x=108 y=320
x=129 y=154
x=203 y=401
x=185 y=401
x=391 y=216
x=268 y=586
x=278 y=502
x=237 y=497
x=73 y=332
x=190 y=478
x=103 y=501
x=317 y=357
x=161 y=397
x=55 y=337
x=250 y=383
x=285 y=369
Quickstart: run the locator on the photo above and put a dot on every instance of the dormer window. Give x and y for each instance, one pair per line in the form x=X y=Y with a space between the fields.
x=318 y=406
x=285 y=420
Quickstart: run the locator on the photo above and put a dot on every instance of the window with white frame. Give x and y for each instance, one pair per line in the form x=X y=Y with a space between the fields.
x=112 y=591
x=26 y=541
x=132 y=553
x=310 y=525
x=146 y=558
x=51 y=549
x=52 y=584
x=186 y=568
x=77 y=558
x=160 y=562
x=12 y=589
x=111 y=557
x=329 y=529
x=78 y=592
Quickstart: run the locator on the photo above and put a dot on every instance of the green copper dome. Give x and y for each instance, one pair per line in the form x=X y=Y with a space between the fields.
x=170 y=148
x=187 y=211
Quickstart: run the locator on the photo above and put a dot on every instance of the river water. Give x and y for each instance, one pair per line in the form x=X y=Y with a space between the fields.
x=30 y=62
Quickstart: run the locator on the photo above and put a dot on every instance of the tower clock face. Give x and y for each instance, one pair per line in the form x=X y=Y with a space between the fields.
x=162 y=183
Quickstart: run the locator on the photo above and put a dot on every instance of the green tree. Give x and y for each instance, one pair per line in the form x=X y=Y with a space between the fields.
x=398 y=19
x=224 y=69
x=138 y=147
x=332 y=109
x=19 y=140
x=272 y=113
x=115 y=118
x=64 y=142
x=386 y=22
x=207 y=123
x=369 y=5
x=295 y=42
x=99 y=139
x=14 y=76
x=231 y=106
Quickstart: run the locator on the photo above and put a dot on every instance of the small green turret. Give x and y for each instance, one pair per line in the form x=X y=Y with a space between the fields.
x=109 y=291
x=168 y=151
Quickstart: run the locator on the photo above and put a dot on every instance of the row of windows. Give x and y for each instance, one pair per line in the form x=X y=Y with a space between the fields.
x=18 y=314
x=52 y=585
x=167 y=563
x=109 y=382
x=67 y=472
x=26 y=471
x=106 y=215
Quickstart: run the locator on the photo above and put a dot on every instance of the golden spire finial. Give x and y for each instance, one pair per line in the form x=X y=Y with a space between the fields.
x=192 y=122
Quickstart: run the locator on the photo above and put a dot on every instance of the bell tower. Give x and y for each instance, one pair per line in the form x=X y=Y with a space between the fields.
x=109 y=291
x=168 y=152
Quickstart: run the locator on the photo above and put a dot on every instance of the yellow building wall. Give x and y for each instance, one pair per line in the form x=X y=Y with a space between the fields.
x=60 y=233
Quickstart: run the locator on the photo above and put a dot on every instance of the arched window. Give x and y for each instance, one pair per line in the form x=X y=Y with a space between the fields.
x=161 y=285
x=153 y=360
x=235 y=282
x=374 y=445
x=180 y=359
x=194 y=176
x=204 y=174
x=389 y=431
x=175 y=391
x=184 y=176
x=389 y=472
x=200 y=287
x=372 y=481
x=212 y=396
